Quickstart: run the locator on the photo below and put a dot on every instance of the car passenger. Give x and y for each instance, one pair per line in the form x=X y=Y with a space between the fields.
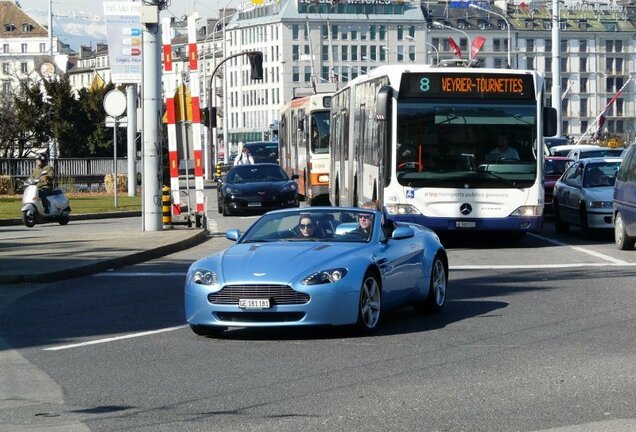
x=306 y=227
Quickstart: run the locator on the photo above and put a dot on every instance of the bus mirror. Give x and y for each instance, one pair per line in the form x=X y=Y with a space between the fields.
x=301 y=124
x=383 y=103
x=549 y=122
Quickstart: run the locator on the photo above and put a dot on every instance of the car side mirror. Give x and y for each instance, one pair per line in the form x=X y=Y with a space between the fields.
x=233 y=234
x=402 y=233
x=295 y=177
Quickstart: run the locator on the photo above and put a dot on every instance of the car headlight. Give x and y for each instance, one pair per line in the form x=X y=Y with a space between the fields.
x=232 y=191
x=291 y=187
x=527 y=211
x=402 y=209
x=601 y=204
x=325 y=277
x=204 y=277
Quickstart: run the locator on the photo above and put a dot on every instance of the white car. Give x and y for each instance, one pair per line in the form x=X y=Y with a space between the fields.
x=581 y=153
x=584 y=193
x=564 y=150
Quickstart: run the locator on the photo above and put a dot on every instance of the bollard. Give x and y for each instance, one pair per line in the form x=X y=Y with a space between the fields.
x=166 y=204
x=218 y=170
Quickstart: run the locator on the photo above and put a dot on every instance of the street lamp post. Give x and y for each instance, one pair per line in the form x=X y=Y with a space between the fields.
x=447 y=27
x=474 y=6
x=226 y=146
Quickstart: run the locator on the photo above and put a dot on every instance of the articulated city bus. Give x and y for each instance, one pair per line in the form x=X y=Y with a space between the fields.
x=304 y=144
x=429 y=145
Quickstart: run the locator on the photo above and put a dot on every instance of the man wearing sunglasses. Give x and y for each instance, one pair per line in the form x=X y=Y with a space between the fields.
x=365 y=225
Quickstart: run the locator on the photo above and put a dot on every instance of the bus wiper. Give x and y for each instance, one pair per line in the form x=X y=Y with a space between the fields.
x=509 y=182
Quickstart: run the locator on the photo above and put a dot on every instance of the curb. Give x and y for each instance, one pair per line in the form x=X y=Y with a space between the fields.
x=107 y=264
x=86 y=216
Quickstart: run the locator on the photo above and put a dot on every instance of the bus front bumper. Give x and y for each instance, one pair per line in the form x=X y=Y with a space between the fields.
x=512 y=223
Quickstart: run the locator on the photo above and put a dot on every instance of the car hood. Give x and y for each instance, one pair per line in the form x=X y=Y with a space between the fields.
x=276 y=262
x=605 y=193
x=259 y=186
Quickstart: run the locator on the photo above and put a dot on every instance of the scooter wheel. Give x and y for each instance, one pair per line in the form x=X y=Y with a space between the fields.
x=28 y=219
x=64 y=219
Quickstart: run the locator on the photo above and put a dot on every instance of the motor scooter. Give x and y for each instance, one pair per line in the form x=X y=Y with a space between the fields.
x=33 y=208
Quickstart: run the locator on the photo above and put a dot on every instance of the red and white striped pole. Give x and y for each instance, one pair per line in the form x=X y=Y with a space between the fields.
x=169 y=85
x=195 y=92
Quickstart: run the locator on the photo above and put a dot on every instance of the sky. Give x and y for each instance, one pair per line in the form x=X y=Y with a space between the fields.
x=81 y=22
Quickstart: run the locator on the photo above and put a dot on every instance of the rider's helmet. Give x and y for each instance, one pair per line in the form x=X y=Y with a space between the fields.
x=41 y=157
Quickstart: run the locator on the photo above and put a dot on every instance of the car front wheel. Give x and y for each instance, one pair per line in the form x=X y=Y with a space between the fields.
x=623 y=241
x=370 y=304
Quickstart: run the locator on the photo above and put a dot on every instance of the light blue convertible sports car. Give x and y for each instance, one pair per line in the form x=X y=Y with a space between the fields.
x=316 y=266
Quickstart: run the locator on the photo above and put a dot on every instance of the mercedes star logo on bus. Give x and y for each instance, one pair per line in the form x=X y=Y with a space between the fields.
x=465 y=209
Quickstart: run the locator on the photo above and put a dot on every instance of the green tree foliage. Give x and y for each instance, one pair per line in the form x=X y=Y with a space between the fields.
x=51 y=110
x=99 y=138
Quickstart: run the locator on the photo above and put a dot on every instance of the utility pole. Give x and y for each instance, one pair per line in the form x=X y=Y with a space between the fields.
x=131 y=110
x=556 y=64
x=151 y=133
x=51 y=27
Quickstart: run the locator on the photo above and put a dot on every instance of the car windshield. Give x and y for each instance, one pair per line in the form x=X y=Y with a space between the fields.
x=312 y=225
x=263 y=149
x=600 y=174
x=601 y=153
x=256 y=173
x=556 y=167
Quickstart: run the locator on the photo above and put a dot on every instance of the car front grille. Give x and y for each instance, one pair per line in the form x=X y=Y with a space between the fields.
x=277 y=294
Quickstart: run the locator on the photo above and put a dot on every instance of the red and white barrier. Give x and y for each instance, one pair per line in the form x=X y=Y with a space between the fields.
x=195 y=93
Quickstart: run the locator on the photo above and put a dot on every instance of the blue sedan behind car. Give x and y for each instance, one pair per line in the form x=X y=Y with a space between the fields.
x=256 y=188
x=316 y=266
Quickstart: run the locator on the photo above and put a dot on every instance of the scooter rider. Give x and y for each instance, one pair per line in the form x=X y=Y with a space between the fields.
x=44 y=174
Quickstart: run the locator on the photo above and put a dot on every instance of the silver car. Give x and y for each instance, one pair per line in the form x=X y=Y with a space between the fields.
x=583 y=195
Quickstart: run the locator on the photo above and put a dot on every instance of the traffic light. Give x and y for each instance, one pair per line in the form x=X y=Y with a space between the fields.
x=208 y=117
x=256 y=64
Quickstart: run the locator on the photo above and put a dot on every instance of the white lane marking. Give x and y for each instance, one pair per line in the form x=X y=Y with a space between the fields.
x=114 y=339
x=538 y=266
x=580 y=249
x=213 y=226
x=139 y=274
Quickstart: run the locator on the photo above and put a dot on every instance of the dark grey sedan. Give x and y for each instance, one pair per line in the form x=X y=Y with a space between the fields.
x=256 y=189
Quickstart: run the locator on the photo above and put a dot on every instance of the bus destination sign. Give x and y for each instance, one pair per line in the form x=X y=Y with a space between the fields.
x=467 y=85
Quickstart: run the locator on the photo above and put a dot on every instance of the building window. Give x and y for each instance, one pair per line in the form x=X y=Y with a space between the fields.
x=296 y=74
x=382 y=32
x=610 y=26
x=24 y=67
x=42 y=47
x=5 y=68
x=9 y=27
x=307 y=73
x=584 y=126
x=334 y=32
x=619 y=65
x=354 y=52
x=582 y=64
x=609 y=46
x=412 y=32
x=345 y=53
x=618 y=45
x=564 y=45
x=295 y=52
x=325 y=52
x=295 y=31
x=547 y=25
x=583 y=108
x=411 y=53
x=5 y=48
x=530 y=45
x=582 y=25
x=23 y=48
x=400 y=33
x=564 y=64
x=548 y=45
x=582 y=46
x=497 y=63
x=373 y=52
x=354 y=35
x=372 y=33
x=530 y=63
x=6 y=87
x=400 y=53
x=619 y=107
x=496 y=45
x=583 y=85
x=27 y=27
x=548 y=65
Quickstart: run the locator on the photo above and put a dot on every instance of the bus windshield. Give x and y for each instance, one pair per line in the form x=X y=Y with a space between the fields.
x=476 y=144
x=320 y=132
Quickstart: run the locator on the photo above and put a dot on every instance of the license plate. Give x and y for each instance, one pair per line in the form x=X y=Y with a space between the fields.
x=466 y=224
x=253 y=303
x=254 y=204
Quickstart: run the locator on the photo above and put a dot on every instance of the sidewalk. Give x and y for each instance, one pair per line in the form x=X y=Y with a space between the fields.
x=90 y=244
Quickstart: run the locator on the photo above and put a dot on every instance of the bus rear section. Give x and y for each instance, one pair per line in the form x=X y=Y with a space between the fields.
x=304 y=145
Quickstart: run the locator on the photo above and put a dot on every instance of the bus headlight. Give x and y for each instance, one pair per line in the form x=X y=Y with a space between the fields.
x=402 y=209
x=527 y=211
x=323 y=178
x=601 y=204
